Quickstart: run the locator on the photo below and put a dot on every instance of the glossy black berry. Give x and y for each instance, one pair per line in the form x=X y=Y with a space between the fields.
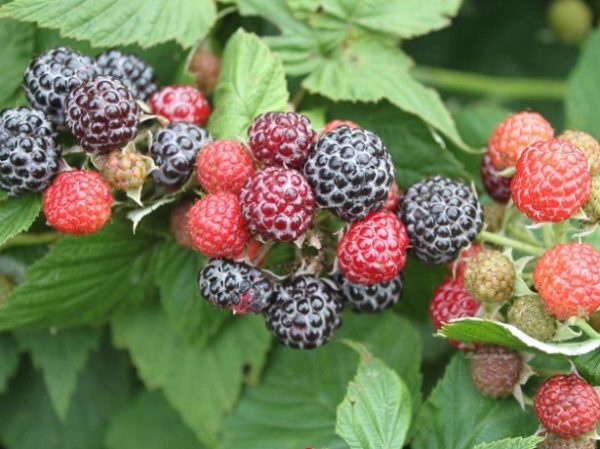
x=137 y=76
x=29 y=151
x=102 y=114
x=442 y=216
x=350 y=172
x=51 y=76
x=305 y=313
x=174 y=151
x=370 y=298
x=236 y=286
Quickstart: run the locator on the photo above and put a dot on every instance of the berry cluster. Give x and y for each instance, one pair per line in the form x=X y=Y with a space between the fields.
x=553 y=184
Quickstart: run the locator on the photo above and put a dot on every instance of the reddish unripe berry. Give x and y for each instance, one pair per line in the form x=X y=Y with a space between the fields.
x=181 y=104
x=333 y=124
x=496 y=186
x=373 y=249
x=216 y=226
x=178 y=224
x=567 y=278
x=514 y=134
x=495 y=370
x=224 y=166
x=452 y=301
x=77 y=202
x=567 y=406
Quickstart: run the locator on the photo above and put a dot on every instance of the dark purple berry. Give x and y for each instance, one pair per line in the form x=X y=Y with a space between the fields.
x=134 y=73
x=496 y=186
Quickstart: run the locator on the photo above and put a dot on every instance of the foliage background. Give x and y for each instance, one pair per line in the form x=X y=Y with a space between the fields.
x=106 y=343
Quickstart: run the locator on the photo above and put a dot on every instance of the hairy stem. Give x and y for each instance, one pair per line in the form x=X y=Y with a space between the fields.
x=508 y=88
x=585 y=327
x=498 y=239
x=42 y=238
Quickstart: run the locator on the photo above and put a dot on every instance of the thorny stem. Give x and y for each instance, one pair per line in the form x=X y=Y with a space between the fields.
x=503 y=87
x=585 y=327
x=489 y=237
x=42 y=238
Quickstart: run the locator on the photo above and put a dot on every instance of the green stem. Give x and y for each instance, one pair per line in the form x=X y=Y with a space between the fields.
x=560 y=231
x=508 y=88
x=298 y=98
x=502 y=240
x=42 y=238
x=585 y=327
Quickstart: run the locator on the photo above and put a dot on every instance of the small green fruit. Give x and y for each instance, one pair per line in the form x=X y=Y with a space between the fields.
x=490 y=277
x=528 y=314
x=570 y=20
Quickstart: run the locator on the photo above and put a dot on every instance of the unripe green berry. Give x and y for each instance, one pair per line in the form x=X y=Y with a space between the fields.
x=126 y=170
x=529 y=315
x=585 y=143
x=570 y=20
x=493 y=216
x=490 y=277
x=6 y=286
x=592 y=206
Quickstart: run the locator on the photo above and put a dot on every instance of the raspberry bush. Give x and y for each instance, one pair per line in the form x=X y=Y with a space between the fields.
x=256 y=224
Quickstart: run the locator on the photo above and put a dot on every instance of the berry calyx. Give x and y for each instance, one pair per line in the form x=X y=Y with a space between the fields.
x=277 y=203
x=452 y=301
x=370 y=298
x=495 y=370
x=305 y=313
x=551 y=181
x=216 y=226
x=29 y=151
x=181 y=104
x=350 y=171
x=224 y=166
x=490 y=277
x=281 y=139
x=528 y=314
x=236 y=286
x=567 y=406
x=126 y=170
x=442 y=216
x=567 y=278
x=514 y=134
x=373 y=250
x=496 y=186
x=77 y=202
x=102 y=114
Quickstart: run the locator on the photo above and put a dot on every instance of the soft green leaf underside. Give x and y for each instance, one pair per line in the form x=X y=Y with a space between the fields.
x=107 y=23
x=376 y=411
x=9 y=359
x=17 y=214
x=252 y=81
x=493 y=332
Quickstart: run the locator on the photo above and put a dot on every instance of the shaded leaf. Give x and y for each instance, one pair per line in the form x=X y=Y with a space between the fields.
x=17 y=214
x=9 y=360
x=512 y=443
x=15 y=53
x=589 y=367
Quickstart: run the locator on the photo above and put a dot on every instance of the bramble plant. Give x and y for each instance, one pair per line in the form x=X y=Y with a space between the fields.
x=255 y=224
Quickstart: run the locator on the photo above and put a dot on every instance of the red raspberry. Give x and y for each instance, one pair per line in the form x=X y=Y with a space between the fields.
x=495 y=370
x=178 y=224
x=224 y=166
x=281 y=138
x=373 y=249
x=277 y=203
x=330 y=126
x=216 y=226
x=496 y=186
x=551 y=181
x=452 y=301
x=567 y=406
x=181 y=104
x=514 y=134
x=77 y=202
x=394 y=198
x=457 y=268
x=567 y=277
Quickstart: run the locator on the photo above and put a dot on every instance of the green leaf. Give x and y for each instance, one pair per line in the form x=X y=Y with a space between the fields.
x=415 y=151
x=201 y=384
x=402 y=18
x=376 y=411
x=512 y=443
x=589 y=367
x=295 y=405
x=493 y=332
x=61 y=356
x=582 y=104
x=252 y=81
x=16 y=51
x=9 y=360
x=17 y=214
x=107 y=23
x=28 y=420
x=457 y=416
x=149 y=422
x=176 y=274
x=82 y=280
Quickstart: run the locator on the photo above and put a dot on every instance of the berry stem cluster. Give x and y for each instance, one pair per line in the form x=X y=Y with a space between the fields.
x=486 y=236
